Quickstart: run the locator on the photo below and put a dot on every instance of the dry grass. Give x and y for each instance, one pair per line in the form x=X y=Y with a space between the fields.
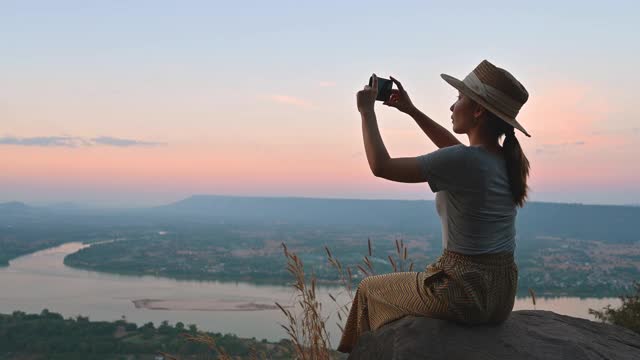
x=307 y=328
x=533 y=297
x=219 y=351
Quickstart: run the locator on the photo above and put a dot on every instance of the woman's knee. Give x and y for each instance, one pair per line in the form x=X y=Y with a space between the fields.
x=370 y=282
x=364 y=284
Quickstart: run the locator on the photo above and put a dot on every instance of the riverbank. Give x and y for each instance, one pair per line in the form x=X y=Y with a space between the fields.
x=49 y=335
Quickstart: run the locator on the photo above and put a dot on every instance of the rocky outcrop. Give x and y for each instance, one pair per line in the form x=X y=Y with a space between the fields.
x=526 y=334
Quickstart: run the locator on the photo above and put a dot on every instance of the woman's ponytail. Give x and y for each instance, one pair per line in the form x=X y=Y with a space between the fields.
x=517 y=167
x=517 y=162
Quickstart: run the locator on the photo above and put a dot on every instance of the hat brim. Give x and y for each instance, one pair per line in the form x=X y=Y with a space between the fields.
x=465 y=90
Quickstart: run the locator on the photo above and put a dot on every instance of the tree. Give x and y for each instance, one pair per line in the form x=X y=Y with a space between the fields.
x=148 y=325
x=627 y=315
x=148 y=330
x=165 y=328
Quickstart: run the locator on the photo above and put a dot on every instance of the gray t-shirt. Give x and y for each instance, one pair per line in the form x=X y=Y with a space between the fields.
x=473 y=199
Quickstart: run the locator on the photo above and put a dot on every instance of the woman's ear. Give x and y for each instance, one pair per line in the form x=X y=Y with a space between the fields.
x=479 y=111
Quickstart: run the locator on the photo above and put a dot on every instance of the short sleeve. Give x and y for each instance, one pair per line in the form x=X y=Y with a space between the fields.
x=451 y=169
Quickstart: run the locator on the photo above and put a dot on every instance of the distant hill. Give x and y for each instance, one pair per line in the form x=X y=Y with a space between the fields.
x=403 y=214
x=14 y=206
x=588 y=222
x=593 y=222
x=67 y=205
x=15 y=210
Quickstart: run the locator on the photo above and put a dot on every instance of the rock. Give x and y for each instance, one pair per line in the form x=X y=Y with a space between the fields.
x=526 y=334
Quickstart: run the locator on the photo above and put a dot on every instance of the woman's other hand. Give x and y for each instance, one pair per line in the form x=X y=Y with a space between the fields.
x=399 y=99
x=366 y=97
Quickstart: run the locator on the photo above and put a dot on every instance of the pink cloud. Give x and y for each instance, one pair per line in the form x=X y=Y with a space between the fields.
x=564 y=112
x=290 y=100
x=564 y=117
x=576 y=140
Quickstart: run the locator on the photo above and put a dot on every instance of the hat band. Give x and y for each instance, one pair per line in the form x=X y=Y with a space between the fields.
x=492 y=95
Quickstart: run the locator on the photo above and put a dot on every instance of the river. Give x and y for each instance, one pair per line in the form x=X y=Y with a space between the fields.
x=41 y=280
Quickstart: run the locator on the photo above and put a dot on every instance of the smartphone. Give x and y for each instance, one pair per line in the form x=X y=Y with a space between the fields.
x=384 y=88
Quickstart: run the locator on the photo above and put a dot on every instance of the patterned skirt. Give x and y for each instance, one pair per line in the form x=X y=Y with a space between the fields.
x=476 y=289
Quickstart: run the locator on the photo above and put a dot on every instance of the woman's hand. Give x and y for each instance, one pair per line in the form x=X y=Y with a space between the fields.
x=399 y=99
x=366 y=97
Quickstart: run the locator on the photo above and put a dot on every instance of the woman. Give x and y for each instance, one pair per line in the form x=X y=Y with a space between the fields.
x=478 y=189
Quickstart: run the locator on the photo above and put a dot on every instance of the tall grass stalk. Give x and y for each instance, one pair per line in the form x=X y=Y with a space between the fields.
x=533 y=297
x=307 y=330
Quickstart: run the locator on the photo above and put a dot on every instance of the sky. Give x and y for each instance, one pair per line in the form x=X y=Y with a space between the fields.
x=136 y=103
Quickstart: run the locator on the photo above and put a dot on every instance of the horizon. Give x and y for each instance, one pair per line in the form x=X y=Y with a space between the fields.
x=145 y=104
x=110 y=206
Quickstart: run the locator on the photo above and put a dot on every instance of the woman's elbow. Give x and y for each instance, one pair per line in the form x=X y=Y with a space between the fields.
x=377 y=171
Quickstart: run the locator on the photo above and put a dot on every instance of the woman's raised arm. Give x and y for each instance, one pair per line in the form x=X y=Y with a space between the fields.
x=408 y=170
x=436 y=132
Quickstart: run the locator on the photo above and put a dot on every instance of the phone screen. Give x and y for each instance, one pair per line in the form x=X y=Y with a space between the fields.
x=384 y=88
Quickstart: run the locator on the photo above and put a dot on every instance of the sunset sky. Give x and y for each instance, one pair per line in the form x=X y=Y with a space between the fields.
x=128 y=103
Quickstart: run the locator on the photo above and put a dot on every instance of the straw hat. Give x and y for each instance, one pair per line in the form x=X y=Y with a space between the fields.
x=495 y=89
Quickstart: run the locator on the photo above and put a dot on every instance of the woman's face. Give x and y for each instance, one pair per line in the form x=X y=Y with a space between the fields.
x=462 y=116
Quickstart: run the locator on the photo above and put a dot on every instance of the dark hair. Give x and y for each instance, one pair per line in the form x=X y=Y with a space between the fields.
x=517 y=162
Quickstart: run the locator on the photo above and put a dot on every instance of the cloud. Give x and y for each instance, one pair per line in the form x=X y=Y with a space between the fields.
x=565 y=112
x=554 y=148
x=73 y=141
x=290 y=100
x=107 y=140
x=41 y=141
x=327 y=83
x=617 y=132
